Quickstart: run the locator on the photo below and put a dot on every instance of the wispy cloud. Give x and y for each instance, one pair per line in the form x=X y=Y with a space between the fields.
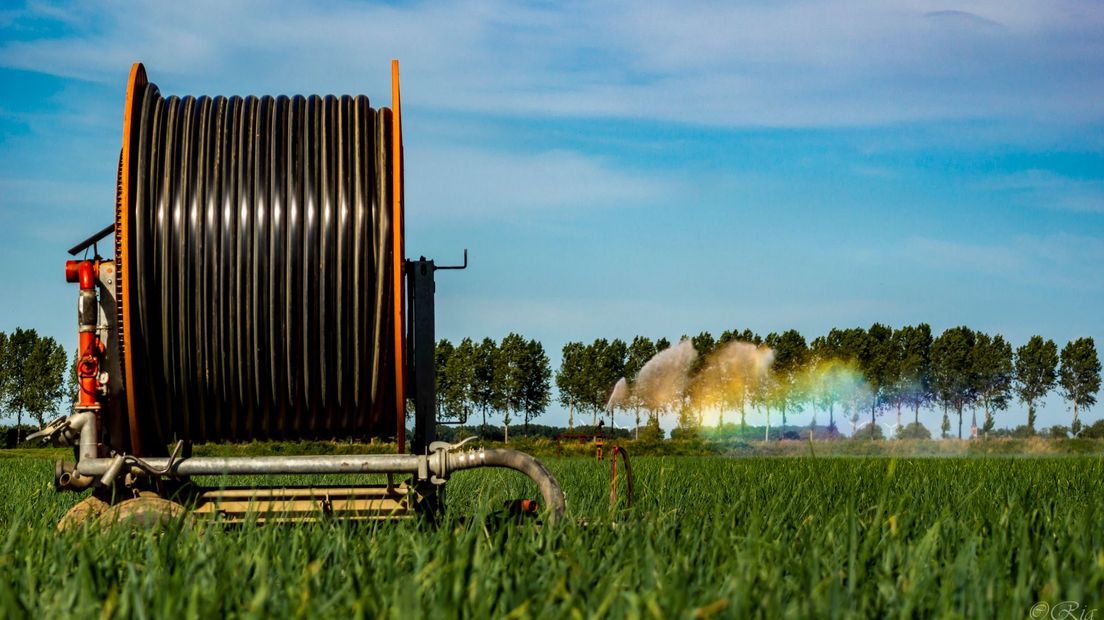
x=503 y=184
x=1047 y=189
x=804 y=63
x=1064 y=260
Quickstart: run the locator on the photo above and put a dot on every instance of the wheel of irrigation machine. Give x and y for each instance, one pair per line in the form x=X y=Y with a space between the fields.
x=144 y=513
x=86 y=510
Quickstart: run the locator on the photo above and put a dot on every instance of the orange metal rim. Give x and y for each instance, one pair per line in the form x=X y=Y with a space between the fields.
x=399 y=255
x=137 y=81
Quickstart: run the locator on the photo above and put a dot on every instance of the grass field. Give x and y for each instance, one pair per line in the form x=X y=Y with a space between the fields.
x=709 y=536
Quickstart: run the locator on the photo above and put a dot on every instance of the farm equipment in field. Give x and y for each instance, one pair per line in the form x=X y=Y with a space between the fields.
x=258 y=290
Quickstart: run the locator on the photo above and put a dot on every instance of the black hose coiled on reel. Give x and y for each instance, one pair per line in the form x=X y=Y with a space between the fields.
x=260 y=276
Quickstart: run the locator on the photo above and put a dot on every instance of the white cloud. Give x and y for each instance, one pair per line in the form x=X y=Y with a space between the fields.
x=805 y=63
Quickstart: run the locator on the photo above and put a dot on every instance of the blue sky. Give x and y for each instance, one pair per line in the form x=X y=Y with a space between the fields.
x=634 y=167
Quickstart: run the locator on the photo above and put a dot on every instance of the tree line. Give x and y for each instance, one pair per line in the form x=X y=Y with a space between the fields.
x=511 y=377
x=32 y=376
x=852 y=371
x=856 y=372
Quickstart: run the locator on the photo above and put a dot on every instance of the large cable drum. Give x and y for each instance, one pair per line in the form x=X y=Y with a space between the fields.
x=259 y=249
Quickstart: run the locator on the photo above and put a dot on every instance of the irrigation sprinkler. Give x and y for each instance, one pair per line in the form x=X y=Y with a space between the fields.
x=258 y=290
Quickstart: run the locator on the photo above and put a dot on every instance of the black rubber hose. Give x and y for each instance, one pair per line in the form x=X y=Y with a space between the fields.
x=550 y=490
x=260 y=283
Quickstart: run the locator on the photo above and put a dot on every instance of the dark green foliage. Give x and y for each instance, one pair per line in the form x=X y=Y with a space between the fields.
x=72 y=379
x=704 y=343
x=1036 y=374
x=571 y=379
x=459 y=373
x=32 y=375
x=641 y=349
x=914 y=430
x=952 y=370
x=992 y=374
x=536 y=389
x=607 y=366
x=17 y=349
x=685 y=432
x=842 y=344
x=1079 y=376
x=588 y=373
x=447 y=397
x=791 y=353
x=869 y=431
x=509 y=376
x=1094 y=430
x=742 y=336
x=486 y=392
x=651 y=431
x=13 y=436
x=5 y=372
x=879 y=364
x=912 y=348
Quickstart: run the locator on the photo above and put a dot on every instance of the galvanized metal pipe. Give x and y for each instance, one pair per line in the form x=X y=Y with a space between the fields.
x=86 y=424
x=519 y=461
x=328 y=464
x=437 y=465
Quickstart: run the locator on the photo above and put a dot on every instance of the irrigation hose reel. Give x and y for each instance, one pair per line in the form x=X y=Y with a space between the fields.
x=258 y=290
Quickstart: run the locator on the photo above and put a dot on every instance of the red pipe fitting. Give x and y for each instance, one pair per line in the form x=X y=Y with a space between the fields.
x=91 y=348
x=83 y=271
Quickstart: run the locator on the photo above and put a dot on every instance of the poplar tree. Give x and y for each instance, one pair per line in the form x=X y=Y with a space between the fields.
x=486 y=390
x=952 y=365
x=1036 y=374
x=640 y=351
x=700 y=383
x=791 y=352
x=536 y=386
x=913 y=387
x=20 y=344
x=571 y=379
x=509 y=376
x=845 y=346
x=45 y=383
x=1079 y=376
x=72 y=382
x=5 y=381
x=747 y=382
x=461 y=372
x=605 y=366
x=879 y=366
x=992 y=374
x=442 y=357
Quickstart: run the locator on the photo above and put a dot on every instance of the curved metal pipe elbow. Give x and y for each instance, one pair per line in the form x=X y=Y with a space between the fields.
x=67 y=478
x=550 y=490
